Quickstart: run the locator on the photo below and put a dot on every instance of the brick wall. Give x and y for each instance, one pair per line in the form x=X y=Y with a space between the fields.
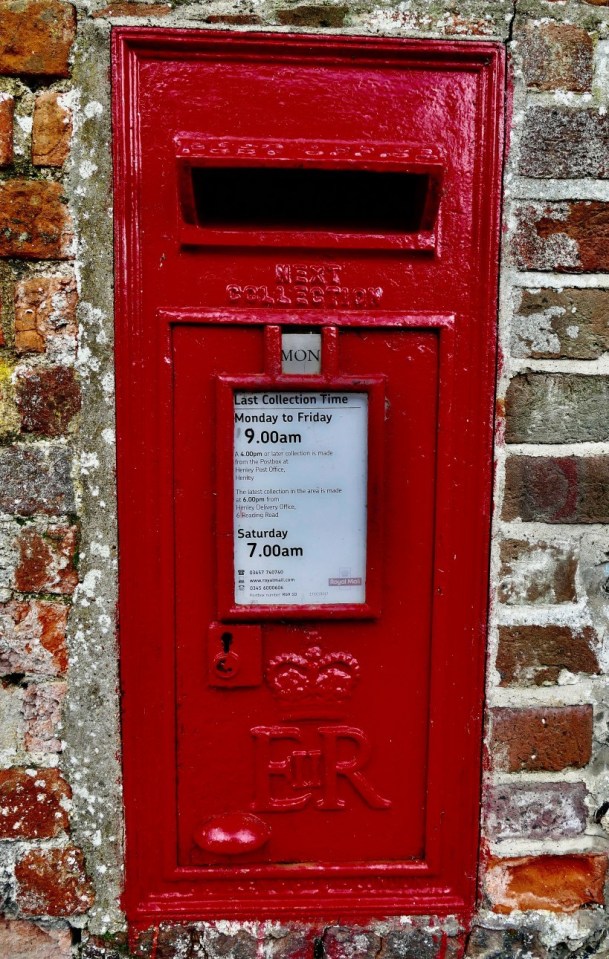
x=546 y=795
x=545 y=822
x=43 y=872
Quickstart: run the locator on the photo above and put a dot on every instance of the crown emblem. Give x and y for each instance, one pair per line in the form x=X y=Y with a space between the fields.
x=312 y=684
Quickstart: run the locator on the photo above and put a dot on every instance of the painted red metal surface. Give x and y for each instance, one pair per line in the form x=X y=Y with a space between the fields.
x=304 y=761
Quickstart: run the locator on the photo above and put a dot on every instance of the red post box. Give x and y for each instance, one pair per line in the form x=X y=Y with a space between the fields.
x=307 y=237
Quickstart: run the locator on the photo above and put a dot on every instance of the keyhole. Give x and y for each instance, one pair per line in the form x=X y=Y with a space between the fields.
x=226 y=639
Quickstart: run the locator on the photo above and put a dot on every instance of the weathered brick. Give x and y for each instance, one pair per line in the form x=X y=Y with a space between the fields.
x=536 y=811
x=110 y=947
x=564 y=142
x=536 y=655
x=567 y=323
x=351 y=942
x=132 y=8
x=33 y=639
x=570 y=236
x=541 y=738
x=12 y=726
x=413 y=944
x=7 y=110
x=566 y=489
x=34 y=220
x=557 y=408
x=556 y=883
x=556 y=56
x=178 y=939
x=288 y=941
x=234 y=19
x=536 y=574
x=37 y=37
x=45 y=310
x=42 y=706
x=47 y=399
x=512 y=943
x=9 y=414
x=29 y=940
x=167 y=941
x=46 y=560
x=452 y=19
x=296 y=942
x=313 y=15
x=53 y=882
x=32 y=803
x=142 y=943
x=216 y=944
x=36 y=479
x=51 y=130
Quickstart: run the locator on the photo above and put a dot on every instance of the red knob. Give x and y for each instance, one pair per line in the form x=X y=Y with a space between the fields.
x=232 y=833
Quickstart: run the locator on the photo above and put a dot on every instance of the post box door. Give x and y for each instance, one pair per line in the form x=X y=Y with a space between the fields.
x=305 y=349
x=328 y=693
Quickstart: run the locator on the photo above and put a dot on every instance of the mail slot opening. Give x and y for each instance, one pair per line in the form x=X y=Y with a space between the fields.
x=296 y=198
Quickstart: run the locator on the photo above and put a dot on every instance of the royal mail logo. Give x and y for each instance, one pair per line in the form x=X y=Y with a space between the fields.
x=345 y=581
x=314 y=683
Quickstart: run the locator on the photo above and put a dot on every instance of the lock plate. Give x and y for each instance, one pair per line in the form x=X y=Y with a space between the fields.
x=234 y=656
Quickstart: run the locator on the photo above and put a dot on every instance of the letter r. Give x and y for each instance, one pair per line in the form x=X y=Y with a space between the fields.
x=349 y=768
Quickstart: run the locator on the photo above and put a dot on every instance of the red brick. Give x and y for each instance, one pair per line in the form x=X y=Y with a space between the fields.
x=7 y=110
x=37 y=37
x=556 y=56
x=29 y=341
x=570 y=236
x=297 y=943
x=51 y=130
x=42 y=706
x=536 y=655
x=33 y=639
x=27 y=940
x=544 y=738
x=53 y=882
x=566 y=489
x=45 y=308
x=32 y=803
x=556 y=883
x=127 y=8
x=46 y=560
x=34 y=220
x=47 y=399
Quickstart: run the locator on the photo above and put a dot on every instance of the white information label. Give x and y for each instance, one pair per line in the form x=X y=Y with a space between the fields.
x=301 y=353
x=300 y=480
